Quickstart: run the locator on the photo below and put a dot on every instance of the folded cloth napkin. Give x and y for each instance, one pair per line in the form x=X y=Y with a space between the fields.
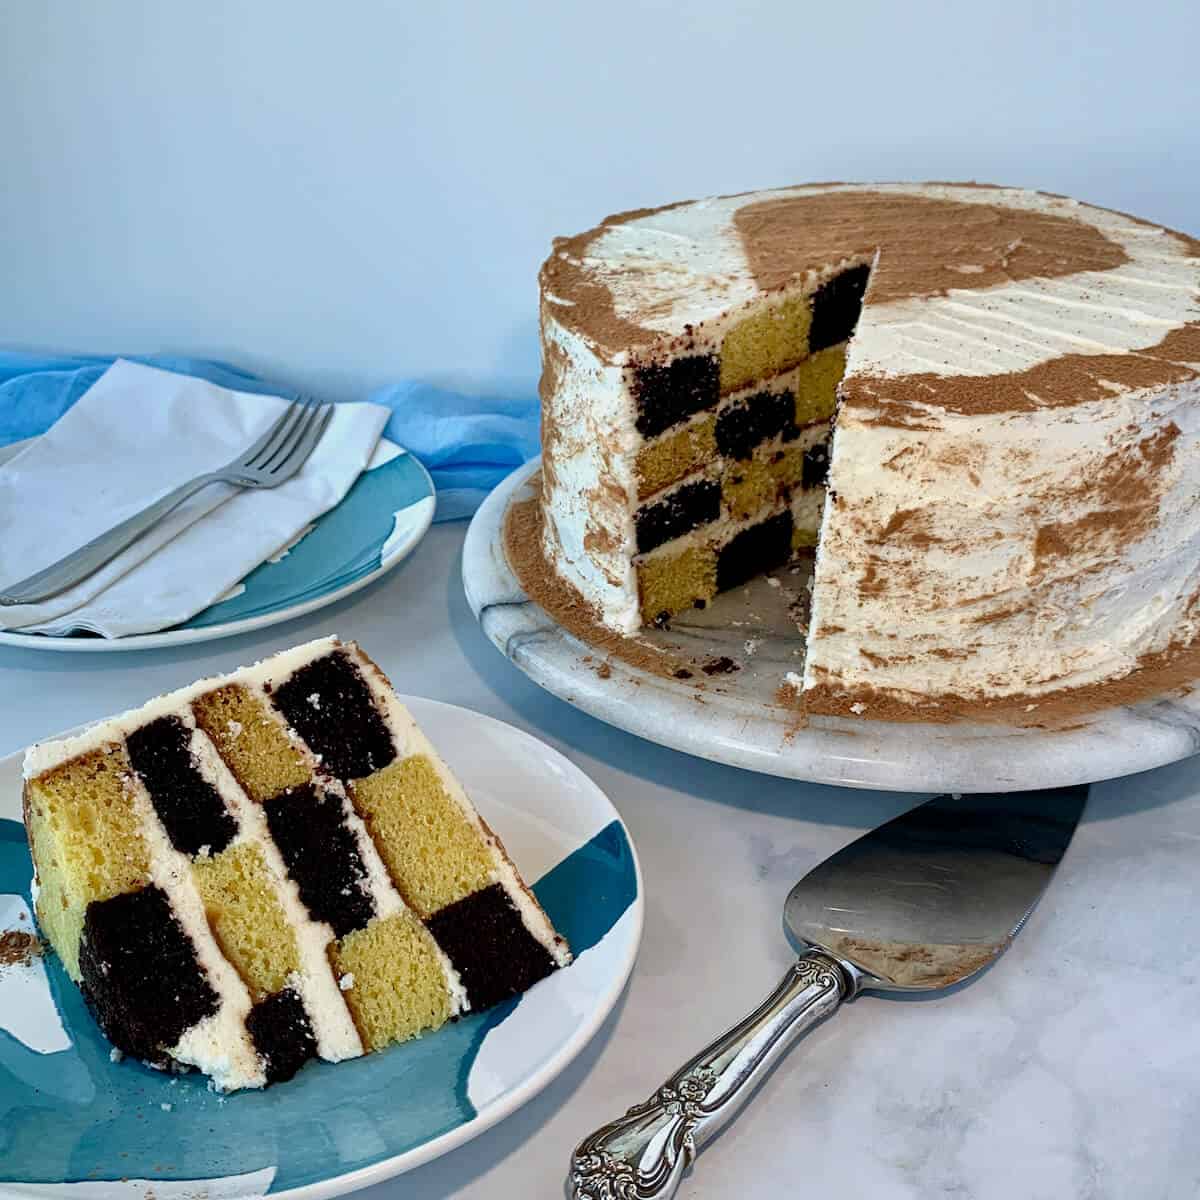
x=467 y=442
x=132 y=436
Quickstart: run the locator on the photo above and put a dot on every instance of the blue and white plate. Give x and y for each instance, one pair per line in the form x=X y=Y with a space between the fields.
x=378 y=524
x=75 y=1125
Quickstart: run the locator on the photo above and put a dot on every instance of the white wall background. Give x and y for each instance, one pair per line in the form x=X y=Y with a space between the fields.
x=339 y=194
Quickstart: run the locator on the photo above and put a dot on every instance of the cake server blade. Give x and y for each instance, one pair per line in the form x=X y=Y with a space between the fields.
x=924 y=902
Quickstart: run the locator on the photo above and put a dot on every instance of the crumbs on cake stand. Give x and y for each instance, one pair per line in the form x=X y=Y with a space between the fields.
x=790 y=695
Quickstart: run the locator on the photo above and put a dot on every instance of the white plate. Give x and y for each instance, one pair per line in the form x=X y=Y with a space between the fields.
x=76 y=1125
x=376 y=526
x=735 y=718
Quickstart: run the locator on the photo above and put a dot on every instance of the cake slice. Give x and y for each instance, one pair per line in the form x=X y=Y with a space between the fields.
x=273 y=866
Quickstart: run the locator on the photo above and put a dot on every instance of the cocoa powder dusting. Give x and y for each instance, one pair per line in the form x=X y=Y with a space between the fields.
x=1155 y=675
x=1059 y=383
x=18 y=948
x=554 y=365
x=1122 y=496
x=927 y=246
x=526 y=557
x=924 y=242
x=589 y=306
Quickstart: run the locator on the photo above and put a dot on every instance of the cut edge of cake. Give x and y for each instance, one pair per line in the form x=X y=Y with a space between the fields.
x=715 y=450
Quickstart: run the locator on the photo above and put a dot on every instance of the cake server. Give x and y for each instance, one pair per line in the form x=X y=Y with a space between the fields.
x=924 y=902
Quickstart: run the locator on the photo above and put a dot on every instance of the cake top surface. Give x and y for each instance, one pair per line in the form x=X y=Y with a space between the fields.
x=967 y=281
x=50 y=753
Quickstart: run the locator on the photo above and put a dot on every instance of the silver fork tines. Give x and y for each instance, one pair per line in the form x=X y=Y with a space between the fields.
x=291 y=439
x=273 y=459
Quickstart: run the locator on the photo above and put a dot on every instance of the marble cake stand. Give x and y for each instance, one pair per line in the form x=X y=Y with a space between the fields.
x=735 y=718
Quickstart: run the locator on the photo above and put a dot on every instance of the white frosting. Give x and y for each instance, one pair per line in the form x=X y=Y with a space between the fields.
x=43 y=755
x=593 y=413
x=996 y=330
x=332 y=1027
x=807 y=508
x=1089 y=620
x=218 y=1045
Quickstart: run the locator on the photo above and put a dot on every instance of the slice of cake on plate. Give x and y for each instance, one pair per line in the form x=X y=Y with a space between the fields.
x=272 y=866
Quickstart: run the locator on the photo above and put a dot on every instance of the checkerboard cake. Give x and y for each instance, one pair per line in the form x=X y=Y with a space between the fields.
x=272 y=866
x=979 y=407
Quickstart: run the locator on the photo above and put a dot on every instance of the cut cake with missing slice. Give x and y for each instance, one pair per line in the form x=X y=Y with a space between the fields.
x=272 y=866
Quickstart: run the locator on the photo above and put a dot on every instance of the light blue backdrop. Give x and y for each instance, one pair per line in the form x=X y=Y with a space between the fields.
x=339 y=195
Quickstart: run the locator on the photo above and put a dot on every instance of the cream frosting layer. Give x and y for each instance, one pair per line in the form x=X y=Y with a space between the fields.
x=218 y=1044
x=410 y=740
x=590 y=481
x=315 y=983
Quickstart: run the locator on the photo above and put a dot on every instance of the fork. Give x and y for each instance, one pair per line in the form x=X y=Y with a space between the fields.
x=270 y=461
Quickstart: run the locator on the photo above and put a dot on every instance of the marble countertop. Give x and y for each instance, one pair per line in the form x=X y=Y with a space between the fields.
x=1067 y=1070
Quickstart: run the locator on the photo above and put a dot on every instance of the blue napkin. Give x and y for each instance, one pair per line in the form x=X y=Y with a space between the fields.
x=467 y=443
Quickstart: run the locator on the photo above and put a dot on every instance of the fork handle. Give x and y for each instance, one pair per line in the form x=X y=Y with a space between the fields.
x=90 y=557
x=643 y=1155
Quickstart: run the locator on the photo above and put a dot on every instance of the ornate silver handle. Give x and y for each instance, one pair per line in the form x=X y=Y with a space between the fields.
x=643 y=1155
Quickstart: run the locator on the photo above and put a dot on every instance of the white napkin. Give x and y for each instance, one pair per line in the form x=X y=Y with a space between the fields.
x=137 y=433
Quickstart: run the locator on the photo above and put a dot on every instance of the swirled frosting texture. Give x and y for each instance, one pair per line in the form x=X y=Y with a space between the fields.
x=1014 y=509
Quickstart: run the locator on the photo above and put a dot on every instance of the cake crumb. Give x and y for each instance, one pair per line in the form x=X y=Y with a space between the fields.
x=166 y=1107
x=346 y=982
x=773 y=582
x=752 y=644
x=794 y=681
x=604 y=671
x=18 y=948
x=682 y=673
x=116 y=1056
x=720 y=666
x=858 y=708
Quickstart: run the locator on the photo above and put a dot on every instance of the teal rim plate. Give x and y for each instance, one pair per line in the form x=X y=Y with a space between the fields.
x=76 y=1125
x=377 y=525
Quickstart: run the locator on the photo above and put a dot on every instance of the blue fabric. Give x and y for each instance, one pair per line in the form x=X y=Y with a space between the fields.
x=467 y=443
